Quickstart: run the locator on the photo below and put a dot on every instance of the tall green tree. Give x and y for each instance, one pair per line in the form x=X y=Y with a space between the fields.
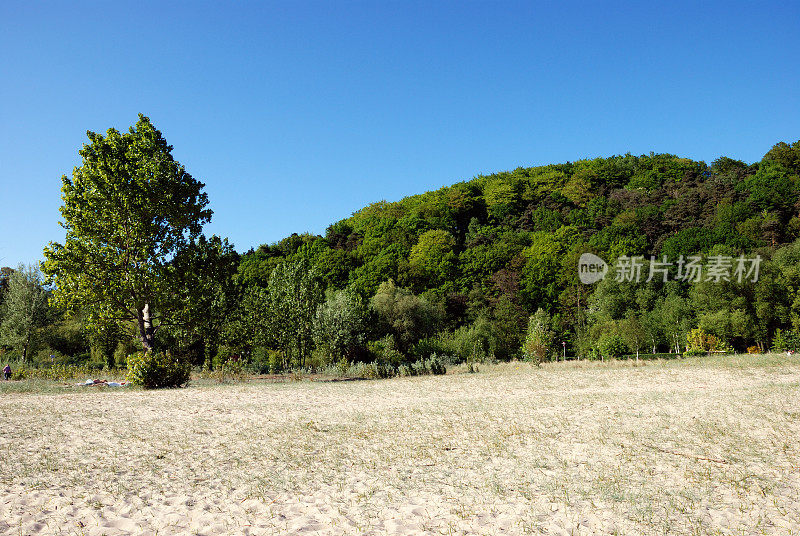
x=130 y=210
x=207 y=268
x=24 y=310
x=288 y=306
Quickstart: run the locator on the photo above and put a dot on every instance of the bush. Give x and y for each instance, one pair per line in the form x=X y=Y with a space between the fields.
x=698 y=339
x=428 y=346
x=152 y=370
x=364 y=370
x=436 y=365
x=785 y=340
x=472 y=343
x=259 y=361
x=231 y=370
x=724 y=347
x=340 y=327
x=433 y=365
x=539 y=338
x=612 y=346
x=385 y=350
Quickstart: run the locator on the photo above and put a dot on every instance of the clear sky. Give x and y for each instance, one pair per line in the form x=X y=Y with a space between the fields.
x=296 y=114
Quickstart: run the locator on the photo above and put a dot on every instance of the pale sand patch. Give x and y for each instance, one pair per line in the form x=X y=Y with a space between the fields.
x=658 y=449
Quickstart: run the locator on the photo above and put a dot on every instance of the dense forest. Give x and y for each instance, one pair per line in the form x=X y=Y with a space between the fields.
x=483 y=269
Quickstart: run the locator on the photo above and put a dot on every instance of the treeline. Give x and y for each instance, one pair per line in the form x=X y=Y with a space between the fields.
x=488 y=268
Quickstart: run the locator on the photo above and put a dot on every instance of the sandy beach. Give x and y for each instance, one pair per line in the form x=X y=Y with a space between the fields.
x=705 y=447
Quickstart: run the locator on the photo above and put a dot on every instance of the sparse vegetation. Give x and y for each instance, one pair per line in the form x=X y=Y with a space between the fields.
x=684 y=446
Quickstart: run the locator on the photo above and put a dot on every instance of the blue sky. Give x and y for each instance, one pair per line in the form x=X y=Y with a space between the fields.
x=296 y=114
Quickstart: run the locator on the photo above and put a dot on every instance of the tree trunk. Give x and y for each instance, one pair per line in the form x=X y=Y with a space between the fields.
x=25 y=348
x=146 y=330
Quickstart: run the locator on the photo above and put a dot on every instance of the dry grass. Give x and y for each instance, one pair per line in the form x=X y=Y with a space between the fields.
x=700 y=447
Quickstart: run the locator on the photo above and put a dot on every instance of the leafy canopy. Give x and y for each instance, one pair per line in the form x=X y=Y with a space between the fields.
x=129 y=210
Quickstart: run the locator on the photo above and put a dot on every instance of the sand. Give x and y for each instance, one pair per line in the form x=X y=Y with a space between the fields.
x=708 y=448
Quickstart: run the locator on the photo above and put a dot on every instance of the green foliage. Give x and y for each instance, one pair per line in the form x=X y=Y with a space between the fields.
x=786 y=340
x=130 y=211
x=457 y=272
x=57 y=372
x=611 y=346
x=406 y=317
x=211 y=303
x=341 y=326
x=633 y=333
x=153 y=370
x=385 y=351
x=699 y=340
x=432 y=257
x=24 y=311
x=471 y=343
x=264 y=361
x=508 y=322
x=540 y=337
x=433 y=365
x=282 y=315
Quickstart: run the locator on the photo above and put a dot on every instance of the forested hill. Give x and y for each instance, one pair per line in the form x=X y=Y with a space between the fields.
x=497 y=248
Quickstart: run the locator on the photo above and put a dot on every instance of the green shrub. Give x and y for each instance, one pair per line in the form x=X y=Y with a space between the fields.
x=384 y=369
x=593 y=354
x=785 y=340
x=471 y=343
x=698 y=339
x=363 y=370
x=611 y=346
x=157 y=369
x=225 y=354
x=435 y=365
x=539 y=339
x=259 y=361
x=275 y=362
x=385 y=350
x=230 y=370
x=418 y=367
x=724 y=347
x=428 y=346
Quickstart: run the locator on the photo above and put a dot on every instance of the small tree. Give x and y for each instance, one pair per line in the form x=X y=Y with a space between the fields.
x=698 y=341
x=611 y=346
x=540 y=337
x=24 y=310
x=785 y=340
x=633 y=333
x=341 y=326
